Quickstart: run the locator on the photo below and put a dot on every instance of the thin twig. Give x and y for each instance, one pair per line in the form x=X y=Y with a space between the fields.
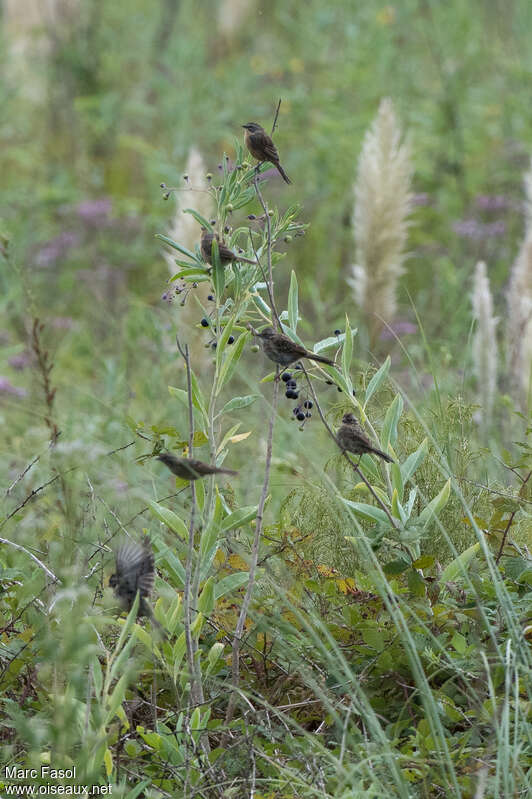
x=355 y=467
x=510 y=521
x=21 y=475
x=33 y=557
x=276 y=115
x=196 y=691
x=269 y=244
x=235 y=660
x=33 y=493
x=270 y=294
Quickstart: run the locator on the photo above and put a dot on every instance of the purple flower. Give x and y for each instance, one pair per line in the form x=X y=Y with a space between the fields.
x=20 y=361
x=397 y=329
x=421 y=198
x=493 y=202
x=62 y=322
x=57 y=248
x=473 y=229
x=8 y=388
x=94 y=212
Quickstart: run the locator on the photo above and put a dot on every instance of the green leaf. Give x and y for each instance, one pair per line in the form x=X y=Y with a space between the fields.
x=397 y=482
x=457 y=566
x=176 y=246
x=416 y=584
x=206 y=598
x=414 y=461
x=459 y=643
x=262 y=306
x=389 y=427
x=199 y=218
x=230 y=363
x=116 y=698
x=130 y=621
x=238 y=518
x=215 y=653
x=377 y=379
x=347 y=351
x=293 y=308
x=172 y=562
x=424 y=562
x=327 y=343
x=368 y=512
x=435 y=506
x=169 y=518
x=239 y=402
x=218 y=270
x=230 y=583
x=394 y=567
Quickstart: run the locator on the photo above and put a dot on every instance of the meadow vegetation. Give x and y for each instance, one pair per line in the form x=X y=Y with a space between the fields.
x=333 y=627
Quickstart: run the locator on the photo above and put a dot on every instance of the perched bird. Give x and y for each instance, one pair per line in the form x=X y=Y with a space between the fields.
x=351 y=438
x=227 y=256
x=135 y=572
x=189 y=468
x=261 y=147
x=282 y=350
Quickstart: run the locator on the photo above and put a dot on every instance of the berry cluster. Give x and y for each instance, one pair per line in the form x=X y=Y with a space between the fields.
x=301 y=411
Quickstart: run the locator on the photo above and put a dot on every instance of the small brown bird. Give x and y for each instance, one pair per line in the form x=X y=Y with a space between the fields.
x=351 y=438
x=282 y=350
x=135 y=572
x=261 y=147
x=227 y=256
x=189 y=468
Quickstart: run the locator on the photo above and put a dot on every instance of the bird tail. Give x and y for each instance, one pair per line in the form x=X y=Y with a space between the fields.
x=321 y=359
x=246 y=260
x=382 y=455
x=227 y=471
x=282 y=172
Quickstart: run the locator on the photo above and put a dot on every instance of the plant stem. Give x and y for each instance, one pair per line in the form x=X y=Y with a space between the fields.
x=355 y=467
x=196 y=690
x=237 y=638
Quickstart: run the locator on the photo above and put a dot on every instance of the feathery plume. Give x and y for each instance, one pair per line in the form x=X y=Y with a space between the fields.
x=232 y=15
x=528 y=197
x=184 y=228
x=382 y=204
x=484 y=341
x=519 y=322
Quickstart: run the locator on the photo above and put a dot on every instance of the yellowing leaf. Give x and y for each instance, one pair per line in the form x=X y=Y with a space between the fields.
x=239 y=437
x=238 y=563
x=108 y=760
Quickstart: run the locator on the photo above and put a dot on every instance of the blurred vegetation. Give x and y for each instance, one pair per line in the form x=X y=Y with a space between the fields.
x=370 y=668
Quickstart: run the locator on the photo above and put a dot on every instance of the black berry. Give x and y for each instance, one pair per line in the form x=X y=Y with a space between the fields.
x=204 y=322
x=286 y=377
x=214 y=345
x=339 y=389
x=308 y=404
x=329 y=382
x=231 y=340
x=300 y=417
x=296 y=410
x=308 y=415
x=210 y=298
x=337 y=332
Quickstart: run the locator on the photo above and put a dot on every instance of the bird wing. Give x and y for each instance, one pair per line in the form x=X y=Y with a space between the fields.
x=132 y=562
x=288 y=345
x=270 y=150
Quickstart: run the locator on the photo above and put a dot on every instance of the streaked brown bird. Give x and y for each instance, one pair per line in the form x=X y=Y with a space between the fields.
x=352 y=438
x=227 y=256
x=135 y=572
x=282 y=350
x=190 y=468
x=261 y=147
